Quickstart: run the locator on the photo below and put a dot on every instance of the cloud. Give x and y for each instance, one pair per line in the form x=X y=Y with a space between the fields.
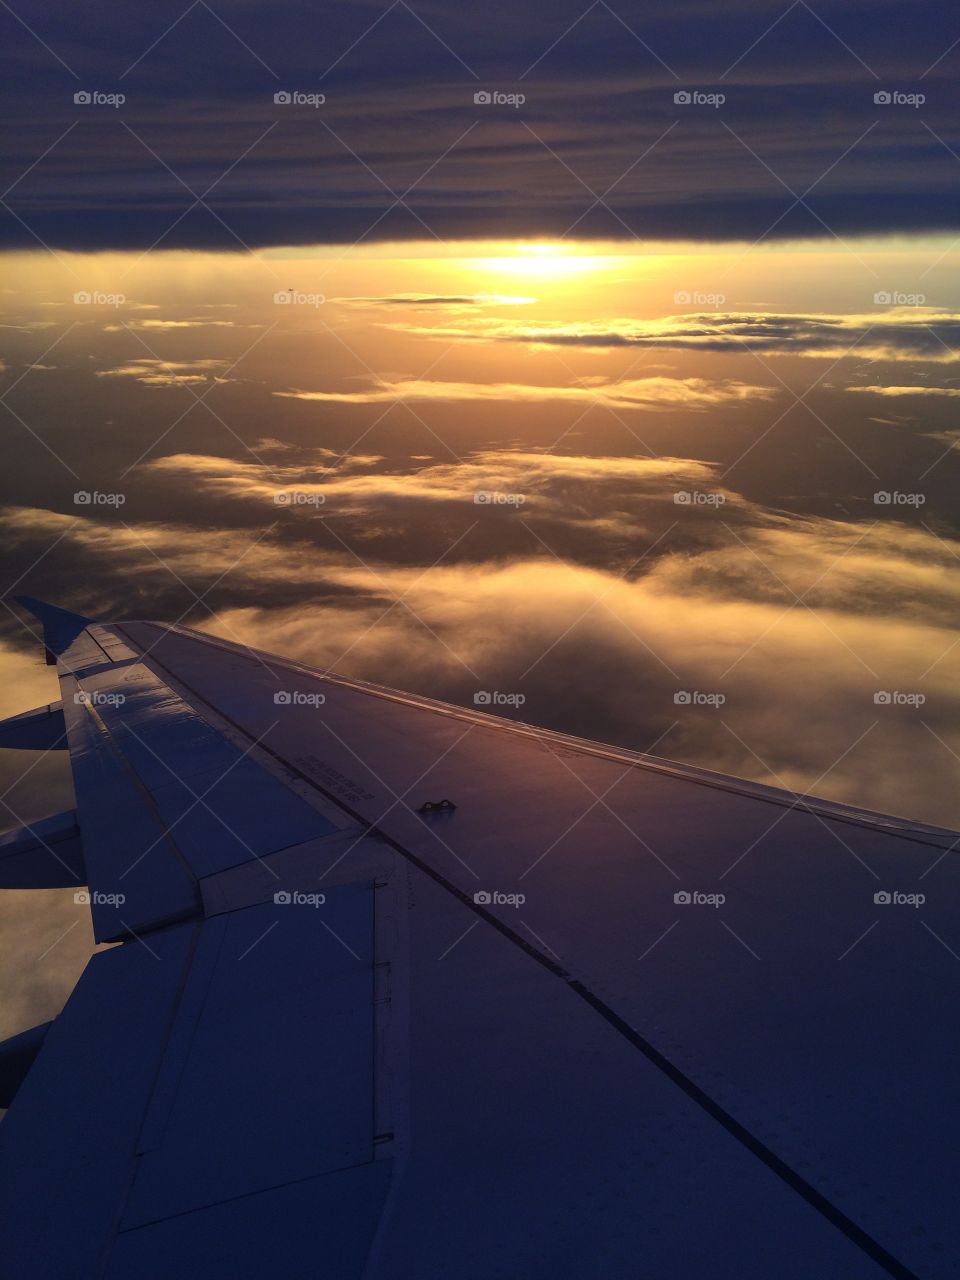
x=452 y=302
x=272 y=444
x=602 y=496
x=903 y=333
x=874 y=569
x=46 y=939
x=157 y=552
x=604 y=656
x=798 y=622
x=153 y=372
x=907 y=391
x=195 y=322
x=402 y=100
x=636 y=393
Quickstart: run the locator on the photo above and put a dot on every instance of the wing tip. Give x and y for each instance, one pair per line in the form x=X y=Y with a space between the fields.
x=60 y=626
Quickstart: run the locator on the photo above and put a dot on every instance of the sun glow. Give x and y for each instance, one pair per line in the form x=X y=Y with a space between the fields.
x=545 y=261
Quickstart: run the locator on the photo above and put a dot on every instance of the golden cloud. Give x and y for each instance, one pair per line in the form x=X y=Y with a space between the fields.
x=636 y=393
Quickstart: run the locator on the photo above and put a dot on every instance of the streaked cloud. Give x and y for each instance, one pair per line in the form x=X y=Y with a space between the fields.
x=629 y=393
x=895 y=392
x=607 y=496
x=195 y=322
x=452 y=302
x=603 y=143
x=902 y=333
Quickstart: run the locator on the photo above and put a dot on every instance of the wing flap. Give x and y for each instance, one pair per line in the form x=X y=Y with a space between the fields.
x=244 y=1104
x=66 y=1144
x=40 y=730
x=43 y=855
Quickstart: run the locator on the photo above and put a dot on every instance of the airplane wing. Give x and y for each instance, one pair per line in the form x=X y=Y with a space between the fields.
x=404 y=989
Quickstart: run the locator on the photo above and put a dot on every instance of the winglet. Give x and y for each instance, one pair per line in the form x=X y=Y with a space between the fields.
x=60 y=626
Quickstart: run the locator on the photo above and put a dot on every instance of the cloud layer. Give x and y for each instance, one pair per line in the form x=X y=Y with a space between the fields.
x=684 y=120
x=799 y=623
x=914 y=333
x=628 y=393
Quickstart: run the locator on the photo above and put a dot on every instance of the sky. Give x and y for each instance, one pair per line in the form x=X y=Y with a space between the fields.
x=684 y=121
x=622 y=399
